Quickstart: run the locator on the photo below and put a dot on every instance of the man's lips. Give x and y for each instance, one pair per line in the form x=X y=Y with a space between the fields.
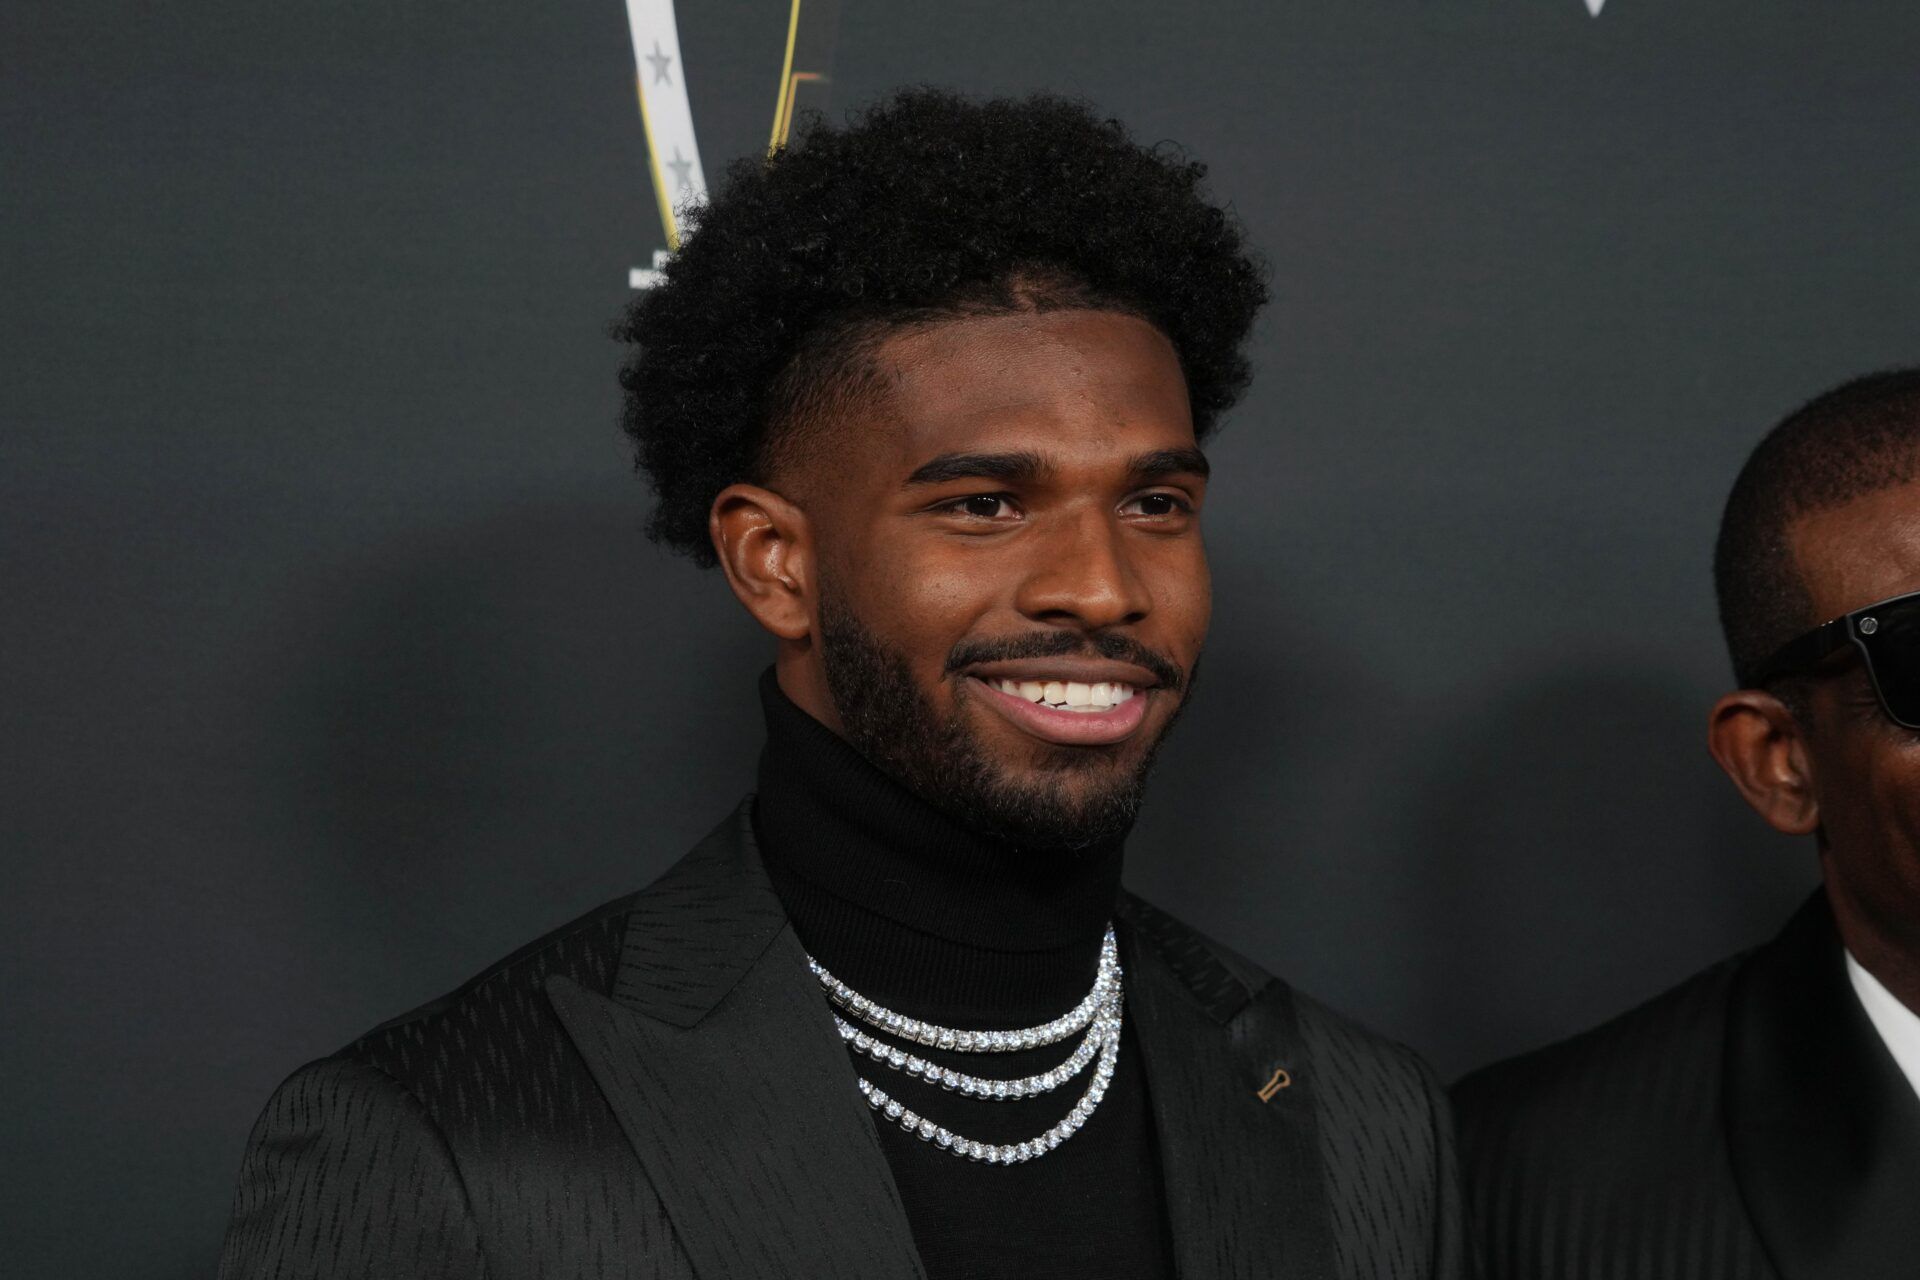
x=1093 y=727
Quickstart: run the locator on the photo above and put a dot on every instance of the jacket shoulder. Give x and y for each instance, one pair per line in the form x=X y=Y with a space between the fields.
x=586 y=949
x=1223 y=980
x=491 y=1058
x=1609 y=1146
x=338 y=1144
x=1367 y=1085
x=1621 y=1079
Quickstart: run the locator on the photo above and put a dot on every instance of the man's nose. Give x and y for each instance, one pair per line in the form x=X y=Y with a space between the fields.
x=1084 y=575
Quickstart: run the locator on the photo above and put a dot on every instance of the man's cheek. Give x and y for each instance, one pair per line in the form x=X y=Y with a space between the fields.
x=936 y=587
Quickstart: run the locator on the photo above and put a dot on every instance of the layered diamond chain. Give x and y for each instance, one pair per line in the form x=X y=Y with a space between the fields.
x=1098 y=1015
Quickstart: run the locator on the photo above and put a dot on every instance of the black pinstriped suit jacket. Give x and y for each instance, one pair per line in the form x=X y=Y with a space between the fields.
x=1747 y=1125
x=657 y=1090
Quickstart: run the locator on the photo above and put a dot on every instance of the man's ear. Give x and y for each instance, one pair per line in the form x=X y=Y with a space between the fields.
x=766 y=549
x=1758 y=741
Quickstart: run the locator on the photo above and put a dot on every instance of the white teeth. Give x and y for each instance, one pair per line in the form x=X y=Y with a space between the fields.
x=1068 y=695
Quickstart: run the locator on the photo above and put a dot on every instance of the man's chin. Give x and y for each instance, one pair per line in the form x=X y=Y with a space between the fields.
x=1069 y=801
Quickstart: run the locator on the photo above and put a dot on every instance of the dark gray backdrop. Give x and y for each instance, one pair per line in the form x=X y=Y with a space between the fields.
x=335 y=664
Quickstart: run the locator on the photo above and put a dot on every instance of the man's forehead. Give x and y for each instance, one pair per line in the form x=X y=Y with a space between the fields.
x=1079 y=384
x=1851 y=555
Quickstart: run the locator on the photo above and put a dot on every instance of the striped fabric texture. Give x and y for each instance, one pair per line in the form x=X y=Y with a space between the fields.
x=656 y=1090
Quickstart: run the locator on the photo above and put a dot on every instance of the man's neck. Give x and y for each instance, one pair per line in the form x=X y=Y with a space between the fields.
x=902 y=901
x=1883 y=951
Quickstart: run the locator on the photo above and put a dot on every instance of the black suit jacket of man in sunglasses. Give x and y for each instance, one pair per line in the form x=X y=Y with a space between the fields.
x=1763 y=1119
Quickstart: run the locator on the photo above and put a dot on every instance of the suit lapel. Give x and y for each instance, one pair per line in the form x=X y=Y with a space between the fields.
x=1823 y=1131
x=720 y=1061
x=1232 y=1105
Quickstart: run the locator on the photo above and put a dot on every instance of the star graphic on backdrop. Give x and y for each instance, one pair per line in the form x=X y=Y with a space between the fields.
x=682 y=170
x=660 y=63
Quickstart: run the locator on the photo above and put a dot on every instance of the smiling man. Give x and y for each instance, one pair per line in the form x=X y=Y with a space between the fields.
x=1761 y=1121
x=931 y=392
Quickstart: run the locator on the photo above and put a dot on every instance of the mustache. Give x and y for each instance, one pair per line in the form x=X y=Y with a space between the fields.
x=1060 y=644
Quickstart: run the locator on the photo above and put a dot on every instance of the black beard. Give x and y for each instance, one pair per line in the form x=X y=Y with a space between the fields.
x=890 y=721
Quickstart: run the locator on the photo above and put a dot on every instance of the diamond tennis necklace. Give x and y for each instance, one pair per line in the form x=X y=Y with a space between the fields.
x=1098 y=1015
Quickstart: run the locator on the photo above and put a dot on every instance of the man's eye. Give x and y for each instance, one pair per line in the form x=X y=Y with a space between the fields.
x=1160 y=504
x=983 y=506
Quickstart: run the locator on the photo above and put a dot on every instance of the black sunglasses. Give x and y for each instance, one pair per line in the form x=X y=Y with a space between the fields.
x=1888 y=637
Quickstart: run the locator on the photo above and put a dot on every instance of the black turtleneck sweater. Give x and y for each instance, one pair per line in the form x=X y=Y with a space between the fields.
x=939 y=922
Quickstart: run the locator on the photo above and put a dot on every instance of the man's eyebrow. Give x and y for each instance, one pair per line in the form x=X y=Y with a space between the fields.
x=1008 y=468
x=1170 y=462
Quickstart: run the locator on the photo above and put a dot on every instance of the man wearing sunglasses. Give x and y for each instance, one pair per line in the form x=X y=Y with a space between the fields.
x=1763 y=1118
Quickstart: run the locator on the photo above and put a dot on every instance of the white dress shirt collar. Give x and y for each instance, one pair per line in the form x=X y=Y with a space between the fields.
x=1898 y=1025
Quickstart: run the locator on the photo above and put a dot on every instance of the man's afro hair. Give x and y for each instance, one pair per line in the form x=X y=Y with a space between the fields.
x=925 y=206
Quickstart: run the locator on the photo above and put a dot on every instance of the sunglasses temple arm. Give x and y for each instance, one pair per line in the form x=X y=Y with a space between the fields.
x=1805 y=652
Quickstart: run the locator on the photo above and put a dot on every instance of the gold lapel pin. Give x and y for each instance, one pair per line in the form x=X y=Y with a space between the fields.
x=1281 y=1079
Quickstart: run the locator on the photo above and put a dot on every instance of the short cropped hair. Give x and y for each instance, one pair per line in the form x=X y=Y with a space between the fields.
x=1853 y=441
x=924 y=207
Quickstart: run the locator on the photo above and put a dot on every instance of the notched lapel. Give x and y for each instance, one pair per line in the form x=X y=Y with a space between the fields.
x=694 y=932
x=1823 y=1132
x=720 y=1061
x=1233 y=1108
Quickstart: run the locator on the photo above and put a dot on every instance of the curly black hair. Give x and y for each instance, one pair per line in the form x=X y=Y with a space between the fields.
x=925 y=206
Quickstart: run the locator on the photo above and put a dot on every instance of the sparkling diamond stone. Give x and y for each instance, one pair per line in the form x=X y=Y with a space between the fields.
x=943 y=1137
x=893 y=1110
x=926 y=1129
